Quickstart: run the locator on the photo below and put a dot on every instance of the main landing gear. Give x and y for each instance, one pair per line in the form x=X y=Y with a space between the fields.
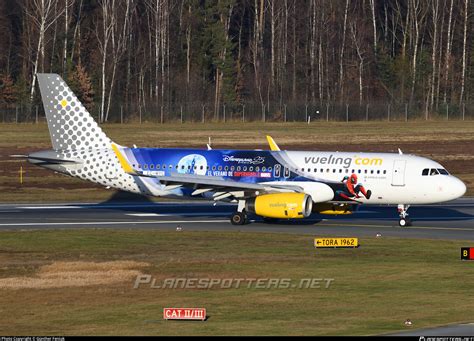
x=239 y=217
x=402 y=212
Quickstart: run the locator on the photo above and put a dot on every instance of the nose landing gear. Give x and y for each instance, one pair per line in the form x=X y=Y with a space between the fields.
x=402 y=212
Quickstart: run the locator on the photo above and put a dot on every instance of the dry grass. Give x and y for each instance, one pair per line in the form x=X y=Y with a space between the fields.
x=376 y=287
x=76 y=274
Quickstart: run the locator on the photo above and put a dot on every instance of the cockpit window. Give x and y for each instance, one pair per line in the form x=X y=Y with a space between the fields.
x=434 y=171
x=443 y=171
x=425 y=172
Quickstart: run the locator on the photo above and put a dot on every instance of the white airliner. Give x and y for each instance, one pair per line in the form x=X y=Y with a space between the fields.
x=272 y=184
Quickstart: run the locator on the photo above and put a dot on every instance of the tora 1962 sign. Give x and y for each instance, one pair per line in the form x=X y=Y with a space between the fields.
x=184 y=314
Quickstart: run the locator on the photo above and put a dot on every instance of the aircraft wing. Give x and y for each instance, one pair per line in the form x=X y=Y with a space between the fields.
x=221 y=186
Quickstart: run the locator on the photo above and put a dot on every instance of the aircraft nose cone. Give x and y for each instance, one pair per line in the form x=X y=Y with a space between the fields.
x=458 y=188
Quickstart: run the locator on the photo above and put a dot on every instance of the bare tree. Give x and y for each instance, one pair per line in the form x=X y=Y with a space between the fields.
x=341 y=58
x=448 y=51
x=67 y=19
x=463 y=73
x=360 y=54
x=41 y=13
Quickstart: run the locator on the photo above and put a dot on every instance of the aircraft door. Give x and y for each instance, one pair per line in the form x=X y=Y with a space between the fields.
x=398 y=175
x=277 y=171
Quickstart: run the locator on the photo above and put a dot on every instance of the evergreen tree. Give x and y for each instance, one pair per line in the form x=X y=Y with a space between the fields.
x=8 y=92
x=81 y=85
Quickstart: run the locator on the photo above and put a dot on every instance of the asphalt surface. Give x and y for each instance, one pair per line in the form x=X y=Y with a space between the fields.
x=453 y=220
x=466 y=329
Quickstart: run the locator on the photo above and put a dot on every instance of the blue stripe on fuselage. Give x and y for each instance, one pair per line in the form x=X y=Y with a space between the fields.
x=250 y=166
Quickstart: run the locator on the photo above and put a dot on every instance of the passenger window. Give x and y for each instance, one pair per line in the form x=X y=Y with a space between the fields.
x=238 y=168
x=315 y=170
x=359 y=171
x=152 y=166
x=425 y=172
x=213 y=167
x=145 y=166
x=385 y=172
x=158 y=166
x=287 y=172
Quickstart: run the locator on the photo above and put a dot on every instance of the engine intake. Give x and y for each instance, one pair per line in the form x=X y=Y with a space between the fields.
x=281 y=205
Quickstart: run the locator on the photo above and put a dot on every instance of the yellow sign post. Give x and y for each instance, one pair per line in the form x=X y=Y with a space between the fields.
x=21 y=174
x=335 y=242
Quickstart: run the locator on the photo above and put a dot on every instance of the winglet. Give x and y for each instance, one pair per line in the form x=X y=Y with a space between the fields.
x=123 y=161
x=272 y=143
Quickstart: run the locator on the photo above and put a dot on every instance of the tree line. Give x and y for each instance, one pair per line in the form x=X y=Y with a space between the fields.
x=155 y=53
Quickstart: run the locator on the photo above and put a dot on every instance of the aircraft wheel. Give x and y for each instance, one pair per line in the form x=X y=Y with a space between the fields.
x=238 y=218
x=403 y=222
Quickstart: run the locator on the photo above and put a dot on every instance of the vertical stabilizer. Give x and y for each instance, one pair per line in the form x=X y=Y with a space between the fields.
x=70 y=125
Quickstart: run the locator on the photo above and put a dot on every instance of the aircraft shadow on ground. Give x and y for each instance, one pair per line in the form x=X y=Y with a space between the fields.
x=124 y=201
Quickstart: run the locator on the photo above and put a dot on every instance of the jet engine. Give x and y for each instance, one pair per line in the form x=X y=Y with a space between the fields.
x=281 y=205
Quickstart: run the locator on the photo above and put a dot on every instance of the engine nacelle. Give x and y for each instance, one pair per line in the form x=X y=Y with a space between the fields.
x=281 y=205
x=334 y=209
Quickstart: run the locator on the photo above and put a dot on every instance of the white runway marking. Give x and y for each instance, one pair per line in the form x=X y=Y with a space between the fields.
x=119 y=222
x=188 y=214
x=47 y=207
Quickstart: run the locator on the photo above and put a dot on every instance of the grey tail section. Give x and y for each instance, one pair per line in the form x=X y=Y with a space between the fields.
x=70 y=125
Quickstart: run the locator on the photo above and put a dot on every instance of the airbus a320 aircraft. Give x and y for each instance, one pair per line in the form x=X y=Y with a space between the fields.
x=271 y=184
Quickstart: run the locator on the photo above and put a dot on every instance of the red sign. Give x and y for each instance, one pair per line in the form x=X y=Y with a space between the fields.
x=184 y=314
